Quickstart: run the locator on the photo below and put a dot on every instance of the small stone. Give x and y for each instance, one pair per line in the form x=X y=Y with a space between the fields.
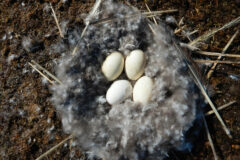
x=142 y=90
x=134 y=65
x=119 y=91
x=113 y=66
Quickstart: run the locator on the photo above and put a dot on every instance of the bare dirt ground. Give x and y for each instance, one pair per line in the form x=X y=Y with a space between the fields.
x=30 y=125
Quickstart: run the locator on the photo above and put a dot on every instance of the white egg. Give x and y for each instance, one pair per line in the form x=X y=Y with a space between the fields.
x=113 y=66
x=142 y=90
x=134 y=65
x=119 y=91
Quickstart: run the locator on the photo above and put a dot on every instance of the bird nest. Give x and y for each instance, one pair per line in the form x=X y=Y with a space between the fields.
x=128 y=129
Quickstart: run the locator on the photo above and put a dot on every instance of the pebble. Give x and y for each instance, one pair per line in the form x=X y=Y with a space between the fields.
x=113 y=66
x=134 y=65
x=119 y=91
x=142 y=90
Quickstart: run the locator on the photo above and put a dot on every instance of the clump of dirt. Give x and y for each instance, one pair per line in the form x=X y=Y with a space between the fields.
x=29 y=124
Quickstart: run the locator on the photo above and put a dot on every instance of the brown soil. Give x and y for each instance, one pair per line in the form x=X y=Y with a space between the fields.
x=30 y=125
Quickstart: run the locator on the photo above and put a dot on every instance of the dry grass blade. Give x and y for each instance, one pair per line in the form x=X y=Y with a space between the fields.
x=211 y=33
x=203 y=90
x=91 y=14
x=210 y=72
x=147 y=14
x=193 y=32
x=179 y=29
x=219 y=54
x=50 y=74
x=54 y=148
x=56 y=20
x=41 y=73
x=220 y=108
x=210 y=138
x=154 y=19
x=192 y=48
x=214 y=61
x=153 y=31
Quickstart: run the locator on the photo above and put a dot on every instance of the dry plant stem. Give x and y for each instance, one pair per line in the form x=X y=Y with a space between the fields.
x=154 y=32
x=214 y=61
x=210 y=72
x=92 y=13
x=41 y=73
x=210 y=138
x=54 y=148
x=56 y=20
x=211 y=33
x=218 y=54
x=193 y=32
x=179 y=29
x=50 y=74
x=147 y=14
x=203 y=90
x=180 y=22
x=192 y=48
x=220 y=108
x=151 y=12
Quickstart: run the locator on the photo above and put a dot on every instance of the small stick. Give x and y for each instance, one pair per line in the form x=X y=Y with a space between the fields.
x=41 y=73
x=220 y=108
x=210 y=72
x=214 y=61
x=218 y=54
x=211 y=33
x=151 y=12
x=54 y=148
x=56 y=20
x=50 y=74
x=210 y=139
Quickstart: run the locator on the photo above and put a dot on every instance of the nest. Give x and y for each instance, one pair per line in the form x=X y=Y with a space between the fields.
x=127 y=130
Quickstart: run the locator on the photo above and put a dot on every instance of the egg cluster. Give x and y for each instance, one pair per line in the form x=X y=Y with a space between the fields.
x=134 y=68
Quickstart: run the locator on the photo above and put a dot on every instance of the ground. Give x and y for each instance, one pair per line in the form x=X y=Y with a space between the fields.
x=30 y=125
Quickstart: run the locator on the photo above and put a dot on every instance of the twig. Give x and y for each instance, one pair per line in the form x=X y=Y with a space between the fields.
x=50 y=74
x=214 y=61
x=218 y=54
x=211 y=33
x=203 y=90
x=151 y=12
x=54 y=148
x=56 y=20
x=210 y=138
x=220 y=108
x=210 y=72
x=41 y=73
